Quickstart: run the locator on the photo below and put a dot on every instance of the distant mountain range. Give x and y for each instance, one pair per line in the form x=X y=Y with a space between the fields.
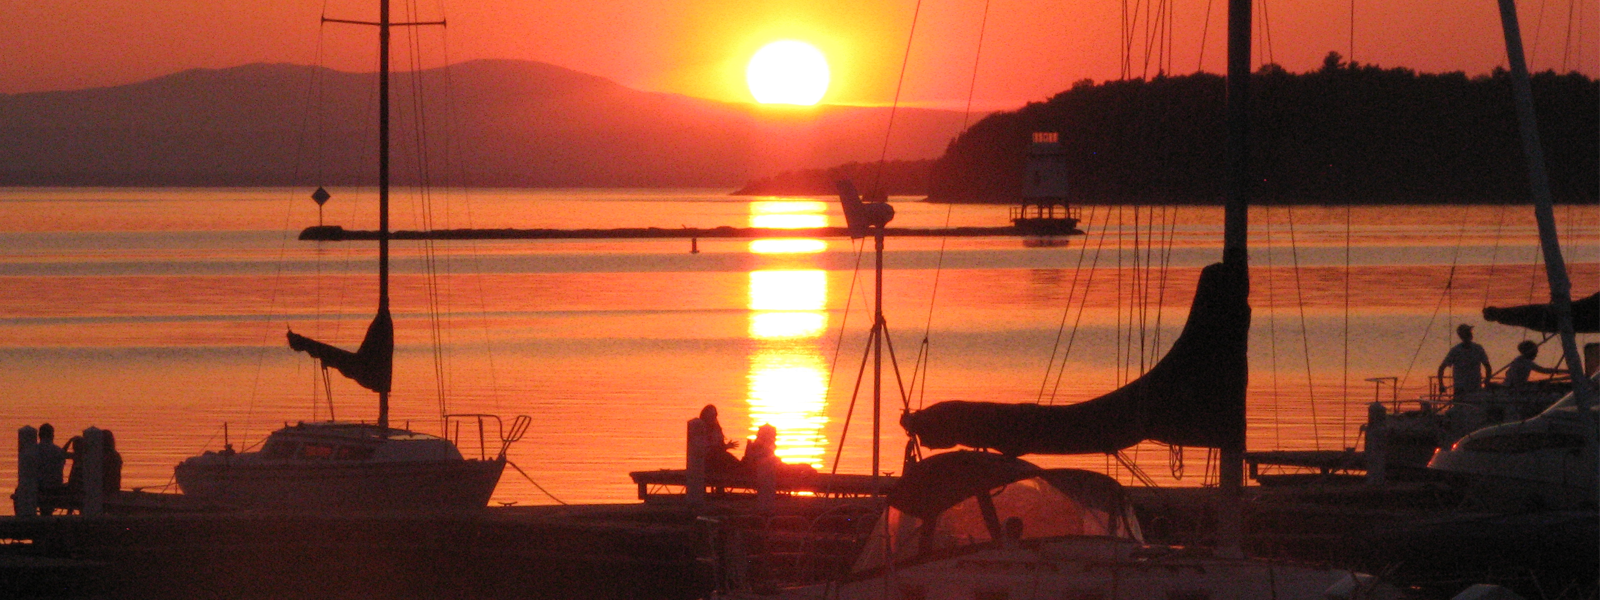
x=487 y=123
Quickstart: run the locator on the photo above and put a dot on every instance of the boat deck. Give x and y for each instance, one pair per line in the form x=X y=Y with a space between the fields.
x=669 y=483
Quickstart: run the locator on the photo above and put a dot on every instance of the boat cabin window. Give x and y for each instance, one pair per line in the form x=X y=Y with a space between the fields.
x=278 y=449
x=315 y=451
x=353 y=453
x=1032 y=507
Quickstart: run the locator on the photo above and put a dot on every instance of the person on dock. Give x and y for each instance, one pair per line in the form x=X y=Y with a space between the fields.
x=1468 y=363
x=763 y=448
x=52 y=461
x=1522 y=366
x=719 y=459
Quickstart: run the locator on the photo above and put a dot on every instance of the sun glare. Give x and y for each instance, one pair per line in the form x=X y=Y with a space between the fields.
x=788 y=72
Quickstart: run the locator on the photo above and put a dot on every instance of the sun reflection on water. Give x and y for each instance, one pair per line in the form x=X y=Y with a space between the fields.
x=787 y=379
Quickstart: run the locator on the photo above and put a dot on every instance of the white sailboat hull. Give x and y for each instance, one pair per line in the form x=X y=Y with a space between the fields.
x=409 y=486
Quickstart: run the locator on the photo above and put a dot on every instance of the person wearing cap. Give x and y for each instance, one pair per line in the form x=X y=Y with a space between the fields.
x=1468 y=363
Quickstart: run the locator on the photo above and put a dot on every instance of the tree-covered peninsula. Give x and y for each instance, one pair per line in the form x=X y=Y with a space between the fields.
x=1344 y=133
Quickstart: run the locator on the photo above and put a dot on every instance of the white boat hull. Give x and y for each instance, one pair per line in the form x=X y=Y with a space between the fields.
x=412 y=486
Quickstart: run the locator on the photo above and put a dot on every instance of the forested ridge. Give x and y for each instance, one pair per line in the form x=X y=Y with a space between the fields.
x=1344 y=133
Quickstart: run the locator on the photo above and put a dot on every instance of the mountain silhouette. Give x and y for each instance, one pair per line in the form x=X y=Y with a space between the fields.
x=486 y=123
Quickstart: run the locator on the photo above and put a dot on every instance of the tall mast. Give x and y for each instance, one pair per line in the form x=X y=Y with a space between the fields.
x=1539 y=182
x=1235 y=251
x=1544 y=213
x=383 y=182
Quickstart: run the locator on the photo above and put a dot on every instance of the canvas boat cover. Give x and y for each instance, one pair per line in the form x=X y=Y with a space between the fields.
x=1193 y=397
x=933 y=485
x=1542 y=317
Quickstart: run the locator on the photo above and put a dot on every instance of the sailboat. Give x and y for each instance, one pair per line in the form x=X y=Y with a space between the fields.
x=983 y=523
x=1552 y=459
x=347 y=466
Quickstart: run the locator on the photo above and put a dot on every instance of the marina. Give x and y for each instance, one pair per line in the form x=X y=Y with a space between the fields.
x=1088 y=401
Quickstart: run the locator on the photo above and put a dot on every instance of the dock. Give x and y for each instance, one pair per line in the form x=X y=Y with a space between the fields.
x=668 y=484
x=336 y=233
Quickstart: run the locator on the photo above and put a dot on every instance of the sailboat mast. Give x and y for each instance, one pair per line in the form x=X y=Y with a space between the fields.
x=383 y=182
x=1539 y=182
x=1235 y=251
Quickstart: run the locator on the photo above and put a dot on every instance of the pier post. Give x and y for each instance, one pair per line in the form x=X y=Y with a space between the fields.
x=1377 y=444
x=92 y=452
x=694 y=470
x=766 y=484
x=25 y=501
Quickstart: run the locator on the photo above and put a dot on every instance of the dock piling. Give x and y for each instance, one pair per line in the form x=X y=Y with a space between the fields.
x=92 y=453
x=694 y=483
x=25 y=501
x=1377 y=444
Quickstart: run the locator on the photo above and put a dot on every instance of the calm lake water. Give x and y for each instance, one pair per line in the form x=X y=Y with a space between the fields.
x=160 y=314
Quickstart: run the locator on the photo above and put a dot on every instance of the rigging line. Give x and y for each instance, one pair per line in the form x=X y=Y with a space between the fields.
x=1344 y=390
x=283 y=244
x=473 y=248
x=1200 y=63
x=855 y=394
x=1169 y=223
x=924 y=349
x=1272 y=328
x=1352 y=56
x=1083 y=305
x=888 y=130
x=1494 y=256
x=1122 y=344
x=838 y=350
x=1066 y=310
x=1305 y=333
x=535 y=483
x=1566 y=50
x=1266 y=35
x=1538 y=29
x=1449 y=292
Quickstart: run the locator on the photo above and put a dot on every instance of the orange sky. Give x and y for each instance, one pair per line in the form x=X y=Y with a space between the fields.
x=698 y=47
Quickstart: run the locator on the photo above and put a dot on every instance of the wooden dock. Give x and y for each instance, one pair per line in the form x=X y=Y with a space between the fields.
x=336 y=233
x=669 y=484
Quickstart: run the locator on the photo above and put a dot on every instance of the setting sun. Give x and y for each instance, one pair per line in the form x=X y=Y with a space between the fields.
x=788 y=72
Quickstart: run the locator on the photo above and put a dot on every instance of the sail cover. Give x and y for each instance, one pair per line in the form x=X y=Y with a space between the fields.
x=1542 y=317
x=1193 y=397
x=372 y=365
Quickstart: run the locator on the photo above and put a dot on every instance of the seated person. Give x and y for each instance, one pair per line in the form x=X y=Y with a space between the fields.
x=764 y=448
x=1522 y=366
x=718 y=457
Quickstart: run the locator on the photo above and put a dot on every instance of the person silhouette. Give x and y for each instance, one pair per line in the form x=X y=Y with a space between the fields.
x=1522 y=366
x=1468 y=363
x=763 y=448
x=718 y=457
x=52 y=461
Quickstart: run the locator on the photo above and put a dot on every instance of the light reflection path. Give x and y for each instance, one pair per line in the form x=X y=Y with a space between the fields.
x=787 y=379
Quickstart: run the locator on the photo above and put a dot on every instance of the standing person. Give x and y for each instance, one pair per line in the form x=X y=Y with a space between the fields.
x=1522 y=366
x=52 y=461
x=1469 y=364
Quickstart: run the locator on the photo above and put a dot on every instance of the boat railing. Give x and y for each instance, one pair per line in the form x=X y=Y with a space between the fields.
x=503 y=436
x=755 y=552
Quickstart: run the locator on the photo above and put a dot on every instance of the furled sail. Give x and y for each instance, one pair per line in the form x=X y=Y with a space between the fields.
x=1193 y=397
x=372 y=365
x=1542 y=317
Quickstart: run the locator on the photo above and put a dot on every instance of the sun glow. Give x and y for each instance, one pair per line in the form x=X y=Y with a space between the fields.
x=788 y=72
